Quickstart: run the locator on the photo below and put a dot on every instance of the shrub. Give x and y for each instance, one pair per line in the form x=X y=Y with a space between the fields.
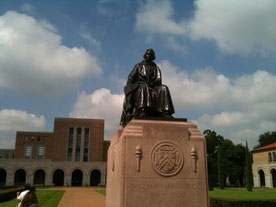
x=236 y=203
x=10 y=193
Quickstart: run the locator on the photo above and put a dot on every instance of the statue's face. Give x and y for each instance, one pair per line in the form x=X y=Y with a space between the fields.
x=149 y=55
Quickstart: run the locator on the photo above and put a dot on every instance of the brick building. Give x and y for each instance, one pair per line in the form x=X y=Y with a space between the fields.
x=6 y=153
x=264 y=166
x=73 y=154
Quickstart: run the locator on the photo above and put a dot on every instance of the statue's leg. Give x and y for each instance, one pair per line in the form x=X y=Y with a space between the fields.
x=143 y=100
x=164 y=100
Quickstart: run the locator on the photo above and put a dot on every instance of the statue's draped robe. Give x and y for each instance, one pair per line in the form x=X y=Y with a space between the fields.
x=144 y=89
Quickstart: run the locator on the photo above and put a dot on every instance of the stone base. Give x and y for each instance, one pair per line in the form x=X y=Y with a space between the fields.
x=157 y=164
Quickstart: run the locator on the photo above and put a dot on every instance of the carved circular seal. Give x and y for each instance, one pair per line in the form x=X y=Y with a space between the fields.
x=166 y=158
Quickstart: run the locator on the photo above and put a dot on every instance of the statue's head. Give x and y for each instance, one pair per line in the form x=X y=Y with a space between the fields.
x=149 y=55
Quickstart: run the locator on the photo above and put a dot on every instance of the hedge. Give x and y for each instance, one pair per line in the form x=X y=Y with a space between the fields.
x=236 y=203
x=9 y=193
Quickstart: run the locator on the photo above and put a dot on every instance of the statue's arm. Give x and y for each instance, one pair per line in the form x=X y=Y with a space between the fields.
x=158 y=78
x=132 y=83
x=132 y=77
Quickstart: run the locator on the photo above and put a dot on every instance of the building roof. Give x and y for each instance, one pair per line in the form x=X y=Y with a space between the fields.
x=271 y=146
x=33 y=132
x=76 y=119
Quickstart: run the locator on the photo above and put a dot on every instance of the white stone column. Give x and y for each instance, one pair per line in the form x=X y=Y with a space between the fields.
x=30 y=177
x=67 y=179
x=268 y=180
x=256 y=180
x=9 y=179
x=48 y=180
x=86 y=179
x=256 y=176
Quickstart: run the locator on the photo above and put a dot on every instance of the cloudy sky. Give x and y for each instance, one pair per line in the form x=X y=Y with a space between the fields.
x=72 y=58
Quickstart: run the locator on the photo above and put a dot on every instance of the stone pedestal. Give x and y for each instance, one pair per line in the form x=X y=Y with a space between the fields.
x=157 y=164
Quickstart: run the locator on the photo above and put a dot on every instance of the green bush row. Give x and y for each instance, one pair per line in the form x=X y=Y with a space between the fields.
x=234 y=203
x=10 y=193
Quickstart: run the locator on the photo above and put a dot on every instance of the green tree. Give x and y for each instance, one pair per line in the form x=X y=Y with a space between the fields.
x=248 y=170
x=212 y=141
x=266 y=139
x=220 y=168
x=237 y=171
x=233 y=159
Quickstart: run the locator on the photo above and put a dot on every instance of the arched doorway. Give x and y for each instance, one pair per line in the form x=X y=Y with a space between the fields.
x=273 y=175
x=95 y=178
x=262 y=178
x=39 y=177
x=76 y=178
x=58 y=178
x=20 y=177
x=3 y=176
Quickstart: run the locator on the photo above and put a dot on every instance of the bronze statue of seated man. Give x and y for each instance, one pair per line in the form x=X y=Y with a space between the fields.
x=145 y=96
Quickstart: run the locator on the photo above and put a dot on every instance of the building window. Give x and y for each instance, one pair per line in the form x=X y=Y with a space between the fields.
x=69 y=154
x=86 y=137
x=28 y=152
x=86 y=143
x=38 y=138
x=269 y=157
x=85 y=155
x=40 y=153
x=6 y=154
x=44 y=139
x=78 y=144
x=1 y=155
x=26 y=138
x=70 y=143
x=32 y=138
x=274 y=156
x=70 y=139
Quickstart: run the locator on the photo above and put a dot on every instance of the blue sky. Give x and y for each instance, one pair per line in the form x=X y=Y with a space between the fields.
x=72 y=58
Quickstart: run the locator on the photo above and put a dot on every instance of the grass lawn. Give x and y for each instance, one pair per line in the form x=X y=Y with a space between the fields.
x=238 y=193
x=103 y=192
x=46 y=198
x=243 y=194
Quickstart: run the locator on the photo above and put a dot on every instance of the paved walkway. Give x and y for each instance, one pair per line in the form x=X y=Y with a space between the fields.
x=81 y=197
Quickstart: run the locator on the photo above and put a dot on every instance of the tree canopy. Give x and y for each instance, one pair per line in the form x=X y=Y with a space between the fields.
x=232 y=159
x=266 y=139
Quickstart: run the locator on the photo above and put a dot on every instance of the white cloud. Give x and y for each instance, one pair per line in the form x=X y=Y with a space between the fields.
x=94 y=42
x=157 y=17
x=12 y=120
x=101 y=104
x=199 y=90
x=236 y=26
x=240 y=109
x=238 y=126
x=34 y=61
x=176 y=46
x=85 y=34
x=114 y=10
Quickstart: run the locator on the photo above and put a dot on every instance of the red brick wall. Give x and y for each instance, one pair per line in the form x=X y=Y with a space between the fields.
x=56 y=144
x=21 y=143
